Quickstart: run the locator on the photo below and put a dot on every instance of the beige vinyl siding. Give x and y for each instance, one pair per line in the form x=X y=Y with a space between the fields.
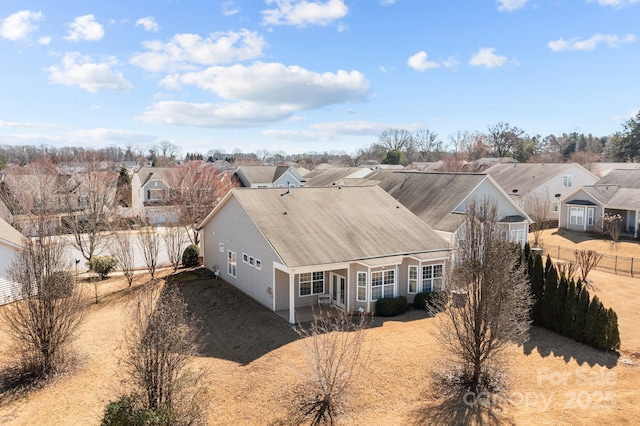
x=281 y=289
x=234 y=228
x=7 y=287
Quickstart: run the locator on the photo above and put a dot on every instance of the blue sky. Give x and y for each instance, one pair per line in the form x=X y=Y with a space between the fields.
x=310 y=75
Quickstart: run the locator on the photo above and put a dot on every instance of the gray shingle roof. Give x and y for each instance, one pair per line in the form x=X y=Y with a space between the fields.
x=625 y=178
x=525 y=177
x=329 y=177
x=147 y=173
x=9 y=234
x=431 y=196
x=313 y=226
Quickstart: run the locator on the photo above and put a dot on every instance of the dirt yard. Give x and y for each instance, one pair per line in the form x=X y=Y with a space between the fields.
x=252 y=357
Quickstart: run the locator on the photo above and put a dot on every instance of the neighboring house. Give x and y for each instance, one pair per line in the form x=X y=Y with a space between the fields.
x=616 y=193
x=602 y=169
x=11 y=242
x=529 y=180
x=269 y=177
x=441 y=200
x=347 y=246
x=150 y=193
x=336 y=175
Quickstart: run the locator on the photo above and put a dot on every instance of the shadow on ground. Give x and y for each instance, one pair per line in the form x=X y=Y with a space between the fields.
x=235 y=327
x=548 y=343
x=452 y=410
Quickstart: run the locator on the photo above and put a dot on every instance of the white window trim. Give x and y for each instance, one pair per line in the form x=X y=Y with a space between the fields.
x=432 y=284
x=384 y=283
x=576 y=216
x=232 y=267
x=311 y=282
x=359 y=286
x=409 y=279
x=567 y=181
x=591 y=212
x=221 y=246
x=258 y=264
x=245 y=258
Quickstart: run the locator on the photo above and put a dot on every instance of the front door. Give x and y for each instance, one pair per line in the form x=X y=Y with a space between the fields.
x=338 y=289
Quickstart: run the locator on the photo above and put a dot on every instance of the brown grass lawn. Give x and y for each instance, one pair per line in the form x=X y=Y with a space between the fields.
x=252 y=357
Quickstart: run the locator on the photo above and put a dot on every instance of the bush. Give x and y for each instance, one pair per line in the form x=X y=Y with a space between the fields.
x=432 y=300
x=102 y=265
x=391 y=306
x=126 y=412
x=190 y=256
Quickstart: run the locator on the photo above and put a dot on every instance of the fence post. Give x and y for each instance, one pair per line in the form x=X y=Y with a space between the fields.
x=615 y=266
x=632 y=267
x=558 y=253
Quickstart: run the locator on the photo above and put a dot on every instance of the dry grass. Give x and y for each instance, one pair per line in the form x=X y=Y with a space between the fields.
x=253 y=356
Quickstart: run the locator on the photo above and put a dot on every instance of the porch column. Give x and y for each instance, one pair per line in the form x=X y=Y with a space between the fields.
x=292 y=301
x=368 y=289
x=635 y=226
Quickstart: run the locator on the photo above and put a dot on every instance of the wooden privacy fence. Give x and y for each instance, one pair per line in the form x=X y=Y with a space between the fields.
x=619 y=265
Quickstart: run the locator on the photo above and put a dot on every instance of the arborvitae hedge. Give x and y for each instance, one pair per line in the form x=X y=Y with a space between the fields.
x=566 y=307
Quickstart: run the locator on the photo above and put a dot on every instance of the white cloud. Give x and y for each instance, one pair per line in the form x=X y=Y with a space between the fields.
x=234 y=115
x=18 y=25
x=486 y=57
x=27 y=125
x=274 y=83
x=387 y=2
x=101 y=136
x=85 y=28
x=510 y=5
x=229 y=8
x=80 y=71
x=184 y=51
x=294 y=135
x=148 y=23
x=591 y=43
x=616 y=4
x=256 y=95
x=357 y=128
x=419 y=62
x=302 y=12
x=44 y=41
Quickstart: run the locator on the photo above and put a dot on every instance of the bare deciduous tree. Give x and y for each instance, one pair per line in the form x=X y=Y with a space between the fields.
x=567 y=269
x=90 y=202
x=149 y=243
x=161 y=337
x=494 y=311
x=428 y=145
x=503 y=137
x=537 y=206
x=43 y=322
x=196 y=187
x=333 y=347
x=174 y=240
x=122 y=250
x=586 y=260
x=396 y=139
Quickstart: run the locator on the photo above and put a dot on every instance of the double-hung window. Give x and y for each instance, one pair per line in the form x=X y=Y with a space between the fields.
x=576 y=216
x=567 y=181
x=590 y=216
x=413 y=279
x=231 y=263
x=311 y=283
x=431 y=278
x=382 y=284
x=362 y=286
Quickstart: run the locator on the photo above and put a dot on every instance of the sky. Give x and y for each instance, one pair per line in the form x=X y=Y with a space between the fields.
x=310 y=75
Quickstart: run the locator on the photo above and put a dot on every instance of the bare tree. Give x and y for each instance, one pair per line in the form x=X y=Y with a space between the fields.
x=493 y=312
x=149 y=243
x=44 y=320
x=174 y=240
x=196 y=188
x=333 y=347
x=537 y=206
x=567 y=269
x=167 y=149
x=586 y=260
x=161 y=337
x=503 y=137
x=122 y=250
x=396 y=139
x=90 y=201
x=428 y=145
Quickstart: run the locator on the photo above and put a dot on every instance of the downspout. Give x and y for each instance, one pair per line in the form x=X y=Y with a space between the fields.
x=368 y=289
x=292 y=302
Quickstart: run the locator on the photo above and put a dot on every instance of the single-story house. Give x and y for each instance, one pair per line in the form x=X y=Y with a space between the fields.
x=298 y=247
x=269 y=177
x=523 y=181
x=440 y=199
x=618 y=192
x=11 y=241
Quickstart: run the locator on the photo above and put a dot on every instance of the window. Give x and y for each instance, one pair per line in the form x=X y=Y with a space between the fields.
x=221 y=246
x=413 y=279
x=431 y=278
x=252 y=261
x=155 y=194
x=576 y=216
x=245 y=257
x=258 y=264
x=231 y=263
x=590 y=214
x=517 y=235
x=382 y=284
x=311 y=283
x=555 y=207
x=567 y=181
x=362 y=286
